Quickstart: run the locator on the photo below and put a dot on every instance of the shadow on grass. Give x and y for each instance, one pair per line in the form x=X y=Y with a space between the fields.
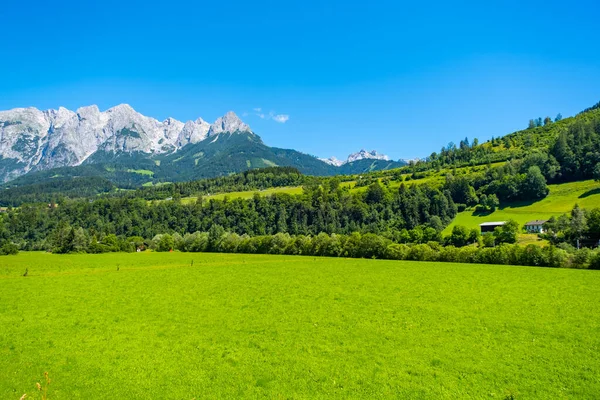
x=517 y=204
x=589 y=193
x=481 y=213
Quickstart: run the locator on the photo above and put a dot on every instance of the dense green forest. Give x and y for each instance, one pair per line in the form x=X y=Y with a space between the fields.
x=321 y=208
x=58 y=189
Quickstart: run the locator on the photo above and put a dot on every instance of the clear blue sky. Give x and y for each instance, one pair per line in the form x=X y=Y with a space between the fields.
x=404 y=79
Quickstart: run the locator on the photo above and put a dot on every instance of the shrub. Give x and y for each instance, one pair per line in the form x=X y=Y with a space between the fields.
x=422 y=252
x=555 y=257
x=581 y=258
x=507 y=233
x=373 y=246
x=533 y=255
x=488 y=239
x=595 y=260
x=396 y=251
x=459 y=236
x=164 y=243
x=9 y=248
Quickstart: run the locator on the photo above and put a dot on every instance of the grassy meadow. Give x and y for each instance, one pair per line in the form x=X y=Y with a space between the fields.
x=245 y=194
x=183 y=326
x=560 y=200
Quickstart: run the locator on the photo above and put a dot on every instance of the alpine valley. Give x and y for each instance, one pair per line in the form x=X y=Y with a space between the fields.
x=130 y=149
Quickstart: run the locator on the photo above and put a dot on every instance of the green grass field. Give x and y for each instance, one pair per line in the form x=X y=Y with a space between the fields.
x=141 y=172
x=247 y=194
x=152 y=325
x=560 y=200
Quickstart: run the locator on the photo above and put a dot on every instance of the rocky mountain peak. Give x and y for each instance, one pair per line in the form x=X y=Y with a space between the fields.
x=126 y=108
x=88 y=111
x=230 y=122
x=364 y=154
x=332 y=161
x=359 y=155
x=31 y=139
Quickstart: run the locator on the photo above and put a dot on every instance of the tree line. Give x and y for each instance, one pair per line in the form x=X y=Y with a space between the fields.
x=355 y=245
x=326 y=208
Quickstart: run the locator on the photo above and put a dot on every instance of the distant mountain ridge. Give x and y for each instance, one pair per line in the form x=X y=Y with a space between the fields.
x=359 y=155
x=119 y=142
x=32 y=140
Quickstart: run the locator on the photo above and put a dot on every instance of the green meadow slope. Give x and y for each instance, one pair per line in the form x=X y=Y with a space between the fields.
x=561 y=199
x=183 y=326
x=246 y=194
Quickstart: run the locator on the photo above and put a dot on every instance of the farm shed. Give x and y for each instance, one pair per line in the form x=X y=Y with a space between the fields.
x=490 y=226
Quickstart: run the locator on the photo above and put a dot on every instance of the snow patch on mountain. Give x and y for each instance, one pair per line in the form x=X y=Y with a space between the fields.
x=364 y=154
x=360 y=155
x=31 y=139
x=332 y=161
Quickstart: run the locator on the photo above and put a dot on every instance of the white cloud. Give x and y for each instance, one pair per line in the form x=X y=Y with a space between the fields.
x=257 y=111
x=281 y=118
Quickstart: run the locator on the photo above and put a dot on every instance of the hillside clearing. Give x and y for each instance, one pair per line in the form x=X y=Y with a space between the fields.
x=560 y=200
x=246 y=194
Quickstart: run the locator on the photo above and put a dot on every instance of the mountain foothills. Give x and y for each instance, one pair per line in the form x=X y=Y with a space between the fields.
x=129 y=148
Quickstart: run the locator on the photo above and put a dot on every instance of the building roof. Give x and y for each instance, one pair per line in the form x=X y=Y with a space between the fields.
x=537 y=222
x=493 y=223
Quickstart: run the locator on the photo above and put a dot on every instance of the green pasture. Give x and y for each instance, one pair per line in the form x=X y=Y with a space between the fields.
x=560 y=200
x=141 y=172
x=184 y=326
x=246 y=194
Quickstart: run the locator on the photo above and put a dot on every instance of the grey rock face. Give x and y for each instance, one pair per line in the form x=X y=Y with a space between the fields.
x=31 y=139
x=228 y=123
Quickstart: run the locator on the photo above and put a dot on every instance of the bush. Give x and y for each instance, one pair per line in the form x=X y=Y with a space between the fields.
x=9 y=248
x=373 y=246
x=163 y=242
x=581 y=258
x=555 y=257
x=595 y=260
x=195 y=242
x=422 y=252
x=459 y=236
x=533 y=255
x=396 y=251
x=488 y=239
x=507 y=233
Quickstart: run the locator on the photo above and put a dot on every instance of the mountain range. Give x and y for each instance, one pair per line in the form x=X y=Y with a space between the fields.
x=123 y=145
x=360 y=155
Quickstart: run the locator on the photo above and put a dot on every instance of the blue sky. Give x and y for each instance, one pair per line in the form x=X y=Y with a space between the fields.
x=404 y=78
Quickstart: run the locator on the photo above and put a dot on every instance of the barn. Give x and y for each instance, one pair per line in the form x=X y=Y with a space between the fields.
x=490 y=226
